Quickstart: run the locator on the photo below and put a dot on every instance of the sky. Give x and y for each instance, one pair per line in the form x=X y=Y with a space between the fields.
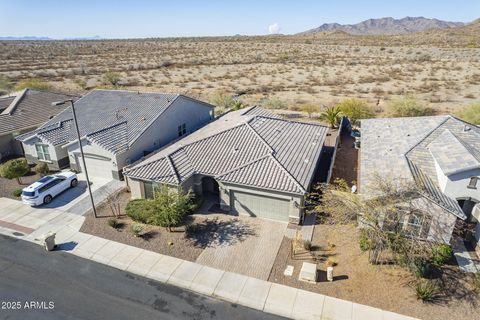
x=148 y=18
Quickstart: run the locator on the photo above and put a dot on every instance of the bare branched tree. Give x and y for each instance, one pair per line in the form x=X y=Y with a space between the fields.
x=391 y=222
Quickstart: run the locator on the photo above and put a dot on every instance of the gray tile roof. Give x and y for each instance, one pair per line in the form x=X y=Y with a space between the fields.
x=32 y=109
x=241 y=147
x=451 y=155
x=113 y=119
x=407 y=148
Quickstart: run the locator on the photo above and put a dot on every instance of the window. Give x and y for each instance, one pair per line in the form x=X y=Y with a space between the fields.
x=182 y=129
x=473 y=183
x=49 y=185
x=42 y=152
x=150 y=189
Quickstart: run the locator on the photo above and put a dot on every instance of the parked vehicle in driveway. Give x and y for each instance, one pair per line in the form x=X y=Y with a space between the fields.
x=45 y=189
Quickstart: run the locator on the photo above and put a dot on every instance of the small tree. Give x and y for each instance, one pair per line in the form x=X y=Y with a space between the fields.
x=356 y=109
x=111 y=78
x=331 y=115
x=171 y=206
x=470 y=113
x=381 y=218
x=14 y=169
x=309 y=109
x=408 y=106
x=32 y=84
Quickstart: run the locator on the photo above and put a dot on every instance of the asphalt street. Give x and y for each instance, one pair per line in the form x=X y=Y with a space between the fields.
x=35 y=284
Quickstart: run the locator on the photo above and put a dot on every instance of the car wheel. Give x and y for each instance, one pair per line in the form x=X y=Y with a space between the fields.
x=74 y=183
x=47 y=199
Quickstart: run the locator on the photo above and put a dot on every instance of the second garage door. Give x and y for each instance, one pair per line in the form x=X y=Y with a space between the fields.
x=97 y=168
x=260 y=206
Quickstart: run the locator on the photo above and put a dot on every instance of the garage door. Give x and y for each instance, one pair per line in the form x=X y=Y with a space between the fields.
x=260 y=206
x=97 y=168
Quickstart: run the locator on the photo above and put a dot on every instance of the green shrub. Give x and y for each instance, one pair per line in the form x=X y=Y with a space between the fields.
x=14 y=169
x=355 y=110
x=408 y=106
x=32 y=84
x=441 y=254
x=364 y=241
x=426 y=290
x=113 y=222
x=140 y=210
x=273 y=103
x=42 y=168
x=5 y=84
x=17 y=193
x=111 y=78
x=307 y=245
x=222 y=100
x=470 y=113
x=136 y=229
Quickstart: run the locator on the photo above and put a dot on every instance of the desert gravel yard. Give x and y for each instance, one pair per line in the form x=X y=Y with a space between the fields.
x=242 y=245
x=387 y=287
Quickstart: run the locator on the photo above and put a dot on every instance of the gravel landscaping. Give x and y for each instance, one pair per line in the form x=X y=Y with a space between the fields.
x=8 y=186
x=386 y=287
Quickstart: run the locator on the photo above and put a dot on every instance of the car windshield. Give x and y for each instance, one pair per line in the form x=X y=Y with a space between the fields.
x=28 y=193
x=45 y=179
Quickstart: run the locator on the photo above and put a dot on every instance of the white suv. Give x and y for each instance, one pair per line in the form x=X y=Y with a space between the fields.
x=48 y=187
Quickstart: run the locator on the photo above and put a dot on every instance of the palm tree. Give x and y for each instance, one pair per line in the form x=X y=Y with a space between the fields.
x=331 y=115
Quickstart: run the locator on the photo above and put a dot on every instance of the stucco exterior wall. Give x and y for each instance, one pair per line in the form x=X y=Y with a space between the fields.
x=58 y=156
x=136 y=188
x=91 y=149
x=456 y=186
x=165 y=129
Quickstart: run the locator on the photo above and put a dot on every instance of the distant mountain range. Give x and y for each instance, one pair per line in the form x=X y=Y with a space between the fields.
x=387 y=26
x=33 y=38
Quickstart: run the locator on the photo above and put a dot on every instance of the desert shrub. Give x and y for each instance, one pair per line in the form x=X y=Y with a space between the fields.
x=441 y=254
x=331 y=115
x=171 y=206
x=364 y=241
x=237 y=105
x=111 y=78
x=5 y=84
x=223 y=100
x=408 y=106
x=32 y=84
x=309 y=109
x=14 y=169
x=426 y=290
x=331 y=262
x=136 y=229
x=476 y=281
x=42 y=168
x=17 y=193
x=470 y=113
x=307 y=245
x=356 y=109
x=113 y=222
x=273 y=103
x=140 y=210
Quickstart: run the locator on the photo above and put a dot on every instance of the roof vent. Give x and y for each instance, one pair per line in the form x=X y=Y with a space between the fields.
x=306 y=160
x=235 y=149
x=466 y=128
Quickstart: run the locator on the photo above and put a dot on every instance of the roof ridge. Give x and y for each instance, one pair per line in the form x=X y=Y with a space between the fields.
x=105 y=128
x=13 y=105
x=426 y=136
x=466 y=145
x=242 y=166
x=287 y=120
x=259 y=136
x=288 y=173
x=172 y=167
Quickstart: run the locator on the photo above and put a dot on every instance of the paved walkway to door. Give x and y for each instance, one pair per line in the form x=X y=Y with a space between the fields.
x=243 y=245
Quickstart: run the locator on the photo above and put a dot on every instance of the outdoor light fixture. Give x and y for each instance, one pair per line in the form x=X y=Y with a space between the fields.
x=59 y=103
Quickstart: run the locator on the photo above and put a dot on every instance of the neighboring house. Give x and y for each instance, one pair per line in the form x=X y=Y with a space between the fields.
x=440 y=154
x=22 y=112
x=117 y=128
x=249 y=161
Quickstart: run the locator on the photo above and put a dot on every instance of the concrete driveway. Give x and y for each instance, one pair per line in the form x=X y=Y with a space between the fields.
x=243 y=245
x=72 y=196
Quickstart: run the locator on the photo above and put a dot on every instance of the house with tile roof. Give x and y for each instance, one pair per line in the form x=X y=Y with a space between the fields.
x=116 y=127
x=24 y=111
x=249 y=162
x=440 y=155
